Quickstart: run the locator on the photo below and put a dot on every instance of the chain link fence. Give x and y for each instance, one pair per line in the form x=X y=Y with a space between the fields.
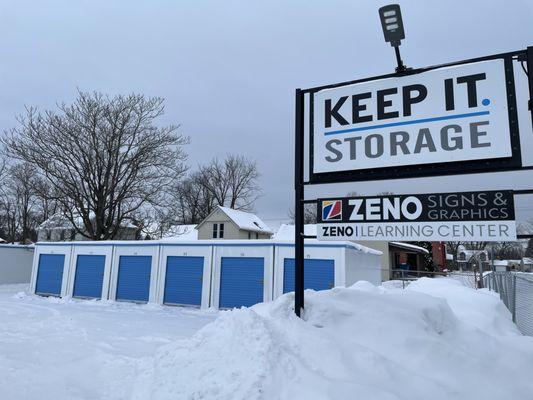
x=516 y=292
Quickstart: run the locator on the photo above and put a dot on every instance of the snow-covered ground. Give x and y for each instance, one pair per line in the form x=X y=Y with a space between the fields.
x=434 y=340
x=66 y=349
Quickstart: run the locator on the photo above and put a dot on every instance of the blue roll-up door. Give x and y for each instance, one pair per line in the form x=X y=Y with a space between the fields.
x=241 y=281
x=89 y=276
x=50 y=274
x=319 y=274
x=183 y=281
x=134 y=278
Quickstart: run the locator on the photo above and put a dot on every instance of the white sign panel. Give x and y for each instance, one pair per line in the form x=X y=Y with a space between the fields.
x=473 y=231
x=457 y=113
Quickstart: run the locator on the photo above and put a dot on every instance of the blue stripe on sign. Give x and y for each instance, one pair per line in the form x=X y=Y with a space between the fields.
x=241 y=281
x=318 y=274
x=183 y=281
x=89 y=276
x=134 y=278
x=50 y=274
x=413 y=122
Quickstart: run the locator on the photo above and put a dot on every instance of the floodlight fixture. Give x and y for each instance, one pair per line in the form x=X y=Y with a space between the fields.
x=392 y=24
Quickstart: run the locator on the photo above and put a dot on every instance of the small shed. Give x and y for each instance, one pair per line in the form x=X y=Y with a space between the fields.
x=500 y=265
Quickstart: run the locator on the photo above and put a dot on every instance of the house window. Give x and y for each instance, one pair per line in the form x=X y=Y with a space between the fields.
x=218 y=231
x=256 y=235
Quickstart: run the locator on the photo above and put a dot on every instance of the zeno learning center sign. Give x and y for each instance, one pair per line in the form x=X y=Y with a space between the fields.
x=466 y=216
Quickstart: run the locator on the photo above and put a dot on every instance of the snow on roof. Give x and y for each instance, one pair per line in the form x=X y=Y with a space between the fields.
x=246 y=221
x=449 y=256
x=178 y=233
x=501 y=262
x=409 y=246
x=286 y=231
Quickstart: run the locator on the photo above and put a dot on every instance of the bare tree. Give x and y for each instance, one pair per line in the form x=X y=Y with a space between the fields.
x=8 y=218
x=46 y=198
x=529 y=249
x=103 y=157
x=194 y=199
x=21 y=188
x=452 y=248
x=231 y=183
x=508 y=250
x=309 y=214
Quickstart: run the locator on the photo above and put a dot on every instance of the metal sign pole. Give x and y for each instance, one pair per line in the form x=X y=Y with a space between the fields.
x=299 y=205
x=529 y=63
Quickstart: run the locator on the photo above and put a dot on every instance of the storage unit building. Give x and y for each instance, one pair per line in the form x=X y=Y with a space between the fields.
x=15 y=263
x=50 y=273
x=326 y=265
x=319 y=274
x=185 y=274
x=134 y=272
x=195 y=273
x=90 y=270
x=242 y=273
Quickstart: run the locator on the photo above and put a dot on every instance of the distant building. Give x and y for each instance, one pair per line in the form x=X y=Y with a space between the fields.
x=226 y=223
x=501 y=265
x=472 y=259
x=523 y=265
x=58 y=228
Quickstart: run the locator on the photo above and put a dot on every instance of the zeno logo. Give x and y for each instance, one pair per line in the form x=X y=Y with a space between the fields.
x=385 y=209
x=332 y=210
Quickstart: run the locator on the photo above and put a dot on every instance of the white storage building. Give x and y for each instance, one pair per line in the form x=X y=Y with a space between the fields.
x=15 y=263
x=203 y=273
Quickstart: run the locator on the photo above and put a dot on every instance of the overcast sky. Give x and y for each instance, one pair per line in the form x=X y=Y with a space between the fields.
x=228 y=69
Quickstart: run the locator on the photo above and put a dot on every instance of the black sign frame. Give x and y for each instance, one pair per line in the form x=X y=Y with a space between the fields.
x=425 y=170
x=513 y=163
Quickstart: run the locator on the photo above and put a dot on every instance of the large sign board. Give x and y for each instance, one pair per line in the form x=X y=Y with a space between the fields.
x=465 y=216
x=429 y=122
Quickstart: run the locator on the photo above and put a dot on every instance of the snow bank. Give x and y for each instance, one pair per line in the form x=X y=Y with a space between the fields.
x=436 y=339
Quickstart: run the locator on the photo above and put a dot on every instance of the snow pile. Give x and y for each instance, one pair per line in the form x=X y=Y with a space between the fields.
x=436 y=339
